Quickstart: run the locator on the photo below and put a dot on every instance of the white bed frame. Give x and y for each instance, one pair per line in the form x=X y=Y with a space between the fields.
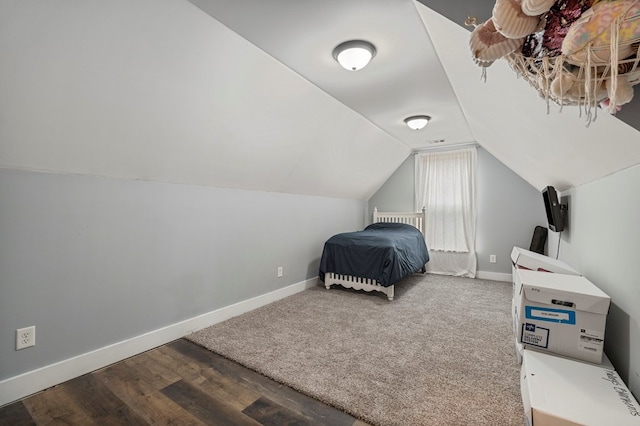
x=419 y=220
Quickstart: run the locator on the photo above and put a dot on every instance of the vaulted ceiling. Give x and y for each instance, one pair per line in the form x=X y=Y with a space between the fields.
x=246 y=94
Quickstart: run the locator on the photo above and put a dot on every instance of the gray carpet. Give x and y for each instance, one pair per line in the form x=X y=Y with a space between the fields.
x=441 y=353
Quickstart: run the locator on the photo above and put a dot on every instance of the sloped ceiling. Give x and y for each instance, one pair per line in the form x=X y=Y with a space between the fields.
x=510 y=120
x=157 y=90
x=457 y=11
x=407 y=78
x=245 y=94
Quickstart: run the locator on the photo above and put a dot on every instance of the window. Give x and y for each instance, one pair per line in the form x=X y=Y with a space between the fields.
x=446 y=186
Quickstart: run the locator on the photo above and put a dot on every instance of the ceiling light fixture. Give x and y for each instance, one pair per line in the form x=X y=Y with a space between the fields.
x=354 y=55
x=417 y=122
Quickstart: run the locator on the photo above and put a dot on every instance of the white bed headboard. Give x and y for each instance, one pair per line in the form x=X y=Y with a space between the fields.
x=419 y=219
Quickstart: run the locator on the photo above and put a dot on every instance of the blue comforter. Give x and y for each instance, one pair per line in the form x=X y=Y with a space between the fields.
x=385 y=252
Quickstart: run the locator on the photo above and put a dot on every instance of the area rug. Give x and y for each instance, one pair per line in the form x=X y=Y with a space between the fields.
x=440 y=353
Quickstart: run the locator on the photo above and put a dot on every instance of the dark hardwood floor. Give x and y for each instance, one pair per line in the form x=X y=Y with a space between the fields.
x=176 y=384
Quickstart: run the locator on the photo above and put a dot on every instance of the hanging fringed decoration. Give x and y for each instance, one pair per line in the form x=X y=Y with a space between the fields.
x=576 y=52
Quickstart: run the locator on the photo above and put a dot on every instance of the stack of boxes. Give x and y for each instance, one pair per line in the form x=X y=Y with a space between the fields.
x=536 y=268
x=559 y=320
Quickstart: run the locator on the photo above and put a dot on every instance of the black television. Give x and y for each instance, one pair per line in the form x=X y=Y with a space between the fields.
x=553 y=208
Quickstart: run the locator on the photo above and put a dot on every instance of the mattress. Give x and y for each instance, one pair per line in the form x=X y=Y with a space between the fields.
x=385 y=252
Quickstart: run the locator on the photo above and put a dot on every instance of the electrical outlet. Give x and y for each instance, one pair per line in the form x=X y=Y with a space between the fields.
x=492 y=258
x=280 y=271
x=25 y=337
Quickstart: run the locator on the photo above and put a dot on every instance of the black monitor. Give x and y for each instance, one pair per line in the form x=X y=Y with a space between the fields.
x=553 y=209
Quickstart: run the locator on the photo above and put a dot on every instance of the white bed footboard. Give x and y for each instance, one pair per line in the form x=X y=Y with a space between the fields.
x=357 y=283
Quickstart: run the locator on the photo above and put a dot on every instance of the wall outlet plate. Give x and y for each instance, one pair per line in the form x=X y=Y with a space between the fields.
x=25 y=337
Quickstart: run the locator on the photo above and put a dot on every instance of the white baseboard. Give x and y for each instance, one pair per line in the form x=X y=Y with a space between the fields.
x=18 y=387
x=493 y=276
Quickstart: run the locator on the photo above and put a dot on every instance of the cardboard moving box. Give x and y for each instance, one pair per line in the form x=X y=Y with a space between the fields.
x=605 y=363
x=526 y=259
x=559 y=391
x=564 y=314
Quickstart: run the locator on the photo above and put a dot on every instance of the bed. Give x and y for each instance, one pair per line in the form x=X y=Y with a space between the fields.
x=379 y=256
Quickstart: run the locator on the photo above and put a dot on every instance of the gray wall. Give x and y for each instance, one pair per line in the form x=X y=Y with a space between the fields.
x=398 y=192
x=601 y=241
x=508 y=208
x=91 y=261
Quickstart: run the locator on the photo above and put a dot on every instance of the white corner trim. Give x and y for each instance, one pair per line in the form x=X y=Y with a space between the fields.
x=493 y=276
x=18 y=387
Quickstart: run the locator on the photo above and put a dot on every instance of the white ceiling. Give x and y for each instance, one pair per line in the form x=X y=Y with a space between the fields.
x=404 y=79
x=248 y=96
x=511 y=121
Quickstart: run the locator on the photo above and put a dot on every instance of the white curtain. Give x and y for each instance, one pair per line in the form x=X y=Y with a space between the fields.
x=446 y=186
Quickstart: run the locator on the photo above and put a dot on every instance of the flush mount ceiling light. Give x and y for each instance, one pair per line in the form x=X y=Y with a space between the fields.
x=417 y=122
x=354 y=55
